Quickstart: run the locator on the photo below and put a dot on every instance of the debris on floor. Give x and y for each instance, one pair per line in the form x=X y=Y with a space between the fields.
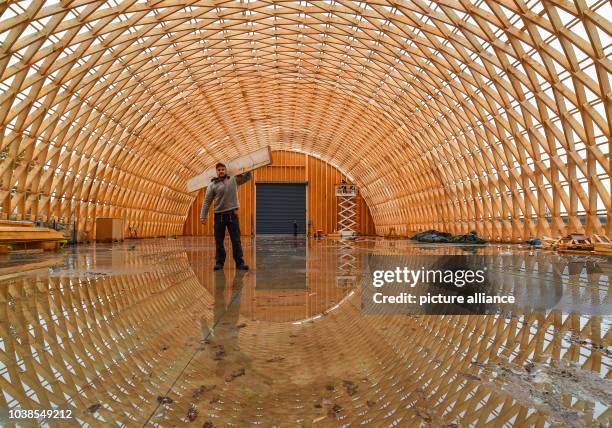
x=542 y=386
x=469 y=376
x=424 y=414
x=192 y=413
x=333 y=412
x=327 y=402
x=94 y=407
x=235 y=374
x=162 y=399
x=351 y=388
x=220 y=354
x=202 y=389
x=435 y=236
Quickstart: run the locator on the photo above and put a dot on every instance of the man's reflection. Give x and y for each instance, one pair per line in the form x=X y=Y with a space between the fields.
x=223 y=338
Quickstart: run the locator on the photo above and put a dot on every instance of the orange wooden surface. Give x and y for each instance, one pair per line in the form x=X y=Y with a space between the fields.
x=292 y=167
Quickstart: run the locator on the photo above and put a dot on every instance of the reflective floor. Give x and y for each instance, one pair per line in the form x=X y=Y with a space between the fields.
x=146 y=333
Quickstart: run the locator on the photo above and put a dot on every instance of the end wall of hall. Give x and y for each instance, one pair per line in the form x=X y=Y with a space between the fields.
x=290 y=167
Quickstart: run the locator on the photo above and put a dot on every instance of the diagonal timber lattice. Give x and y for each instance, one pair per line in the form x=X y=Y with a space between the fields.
x=457 y=115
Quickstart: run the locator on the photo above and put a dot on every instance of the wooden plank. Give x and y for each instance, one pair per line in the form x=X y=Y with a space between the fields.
x=242 y=164
x=14 y=223
x=25 y=237
x=21 y=234
x=11 y=229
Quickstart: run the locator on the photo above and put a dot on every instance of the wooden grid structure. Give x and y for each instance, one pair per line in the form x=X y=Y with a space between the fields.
x=488 y=115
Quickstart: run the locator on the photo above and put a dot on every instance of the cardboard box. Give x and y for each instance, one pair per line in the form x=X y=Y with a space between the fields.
x=109 y=229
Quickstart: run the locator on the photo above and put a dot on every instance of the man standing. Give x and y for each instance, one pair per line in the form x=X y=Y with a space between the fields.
x=224 y=190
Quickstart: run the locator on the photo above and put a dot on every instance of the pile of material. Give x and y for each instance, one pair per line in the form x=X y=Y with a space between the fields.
x=574 y=242
x=534 y=242
x=578 y=243
x=437 y=237
x=15 y=235
x=602 y=244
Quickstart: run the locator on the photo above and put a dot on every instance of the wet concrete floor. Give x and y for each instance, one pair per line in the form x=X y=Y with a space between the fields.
x=144 y=332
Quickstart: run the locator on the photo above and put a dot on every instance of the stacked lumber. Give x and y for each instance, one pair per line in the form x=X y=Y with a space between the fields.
x=549 y=243
x=574 y=242
x=602 y=244
x=22 y=235
x=16 y=223
x=579 y=243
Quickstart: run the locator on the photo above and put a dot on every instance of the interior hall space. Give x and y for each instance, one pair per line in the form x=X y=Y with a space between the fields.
x=335 y=213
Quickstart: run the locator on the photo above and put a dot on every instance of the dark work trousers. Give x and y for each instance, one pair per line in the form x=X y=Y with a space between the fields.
x=229 y=221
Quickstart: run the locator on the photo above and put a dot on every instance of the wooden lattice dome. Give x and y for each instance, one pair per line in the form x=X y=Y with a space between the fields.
x=456 y=114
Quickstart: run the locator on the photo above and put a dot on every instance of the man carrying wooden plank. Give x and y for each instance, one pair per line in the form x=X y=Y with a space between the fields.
x=224 y=190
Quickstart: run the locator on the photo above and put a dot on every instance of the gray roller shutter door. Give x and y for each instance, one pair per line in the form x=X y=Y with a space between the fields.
x=277 y=205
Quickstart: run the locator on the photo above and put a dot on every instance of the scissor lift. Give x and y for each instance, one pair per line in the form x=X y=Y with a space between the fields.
x=347 y=223
x=346 y=274
x=347 y=226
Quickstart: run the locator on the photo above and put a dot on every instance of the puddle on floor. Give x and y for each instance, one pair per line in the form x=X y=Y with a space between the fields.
x=146 y=333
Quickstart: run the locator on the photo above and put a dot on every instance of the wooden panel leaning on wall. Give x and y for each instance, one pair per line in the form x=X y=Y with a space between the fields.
x=289 y=167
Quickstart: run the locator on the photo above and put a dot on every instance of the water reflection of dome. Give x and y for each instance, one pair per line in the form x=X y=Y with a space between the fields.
x=292 y=280
x=84 y=337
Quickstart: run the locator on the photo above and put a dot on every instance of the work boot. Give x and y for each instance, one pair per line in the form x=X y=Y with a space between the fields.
x=218 y=266
x=242 y=267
